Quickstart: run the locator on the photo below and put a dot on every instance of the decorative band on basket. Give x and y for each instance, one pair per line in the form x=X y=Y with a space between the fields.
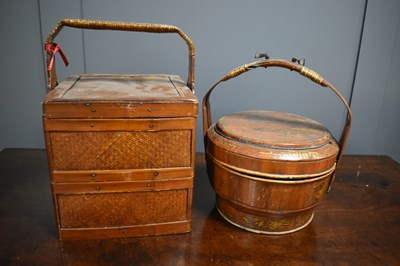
x=268 y=177
x=311 y=75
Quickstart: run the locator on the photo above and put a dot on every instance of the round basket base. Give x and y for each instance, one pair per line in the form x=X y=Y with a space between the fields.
x=266 y=224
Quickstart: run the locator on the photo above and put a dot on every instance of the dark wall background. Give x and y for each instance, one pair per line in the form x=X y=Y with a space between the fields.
x=353 y=44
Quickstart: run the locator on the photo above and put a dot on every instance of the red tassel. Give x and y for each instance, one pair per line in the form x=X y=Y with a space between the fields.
x=54 y=48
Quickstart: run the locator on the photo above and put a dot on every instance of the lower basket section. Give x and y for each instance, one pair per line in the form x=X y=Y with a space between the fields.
x=123 y=209
x=265 y=205
x=267 y=224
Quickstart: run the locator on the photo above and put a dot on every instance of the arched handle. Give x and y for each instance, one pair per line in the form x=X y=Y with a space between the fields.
x=121 y=26
x=317 y=78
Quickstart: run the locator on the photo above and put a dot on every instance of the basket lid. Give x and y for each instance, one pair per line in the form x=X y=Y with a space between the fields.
x=120 y=96
x=272 y=144
x=128 y=87
x=274 y=129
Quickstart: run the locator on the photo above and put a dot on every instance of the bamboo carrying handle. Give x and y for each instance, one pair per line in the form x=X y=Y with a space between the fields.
x=120 y=26
x=317 y=78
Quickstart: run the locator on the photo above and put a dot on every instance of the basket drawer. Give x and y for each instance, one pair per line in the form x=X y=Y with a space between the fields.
x=120 y=150
x=122 y=209
x=120 y=144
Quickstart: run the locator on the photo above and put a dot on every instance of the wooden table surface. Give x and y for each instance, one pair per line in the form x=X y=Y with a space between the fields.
x=358 y=223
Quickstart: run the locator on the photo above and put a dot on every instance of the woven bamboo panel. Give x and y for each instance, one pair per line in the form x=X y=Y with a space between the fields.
x=121 y=150
x=122 y=209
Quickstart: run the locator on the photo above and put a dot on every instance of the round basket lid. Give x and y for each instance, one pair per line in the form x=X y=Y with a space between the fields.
x=273 y=129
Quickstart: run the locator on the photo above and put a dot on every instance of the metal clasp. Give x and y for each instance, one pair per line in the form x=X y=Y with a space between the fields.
x=301 y=62
x=260 y=55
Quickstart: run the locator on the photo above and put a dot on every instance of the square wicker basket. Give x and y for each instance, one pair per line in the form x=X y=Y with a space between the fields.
x=120 y=149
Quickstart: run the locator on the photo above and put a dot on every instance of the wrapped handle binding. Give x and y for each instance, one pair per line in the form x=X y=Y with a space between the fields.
x=120 y=26
x=308 y=73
